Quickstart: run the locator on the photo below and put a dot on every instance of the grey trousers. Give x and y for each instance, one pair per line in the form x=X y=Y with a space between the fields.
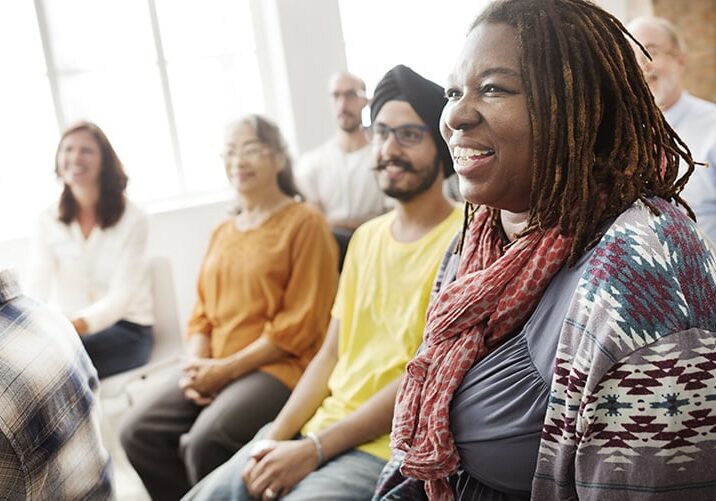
x=173 y=443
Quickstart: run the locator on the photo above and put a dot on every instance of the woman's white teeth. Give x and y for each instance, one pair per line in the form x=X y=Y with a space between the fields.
x=467 y=153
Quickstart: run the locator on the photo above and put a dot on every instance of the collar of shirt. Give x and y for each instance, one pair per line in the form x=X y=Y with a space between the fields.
x=678 y=111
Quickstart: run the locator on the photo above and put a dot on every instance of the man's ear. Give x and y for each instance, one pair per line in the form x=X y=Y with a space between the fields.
x=682 y=60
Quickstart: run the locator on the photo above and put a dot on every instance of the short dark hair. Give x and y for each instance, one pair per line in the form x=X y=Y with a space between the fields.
x=113 y=181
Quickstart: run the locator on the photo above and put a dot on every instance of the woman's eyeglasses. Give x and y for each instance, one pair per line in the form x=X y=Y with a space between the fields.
x=249 y=154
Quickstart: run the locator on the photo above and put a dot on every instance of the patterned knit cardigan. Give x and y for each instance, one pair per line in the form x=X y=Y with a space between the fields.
x=632 y=411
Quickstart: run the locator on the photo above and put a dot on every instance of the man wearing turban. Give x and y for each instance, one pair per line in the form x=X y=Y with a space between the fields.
x=331 y=439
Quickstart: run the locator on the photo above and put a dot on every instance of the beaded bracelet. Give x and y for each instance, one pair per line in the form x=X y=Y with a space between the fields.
x=319 y=448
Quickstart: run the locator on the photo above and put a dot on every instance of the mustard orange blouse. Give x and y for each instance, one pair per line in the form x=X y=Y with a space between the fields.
x=277 y=280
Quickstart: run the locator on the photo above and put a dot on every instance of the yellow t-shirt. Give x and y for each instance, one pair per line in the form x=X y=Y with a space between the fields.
x=382 y=298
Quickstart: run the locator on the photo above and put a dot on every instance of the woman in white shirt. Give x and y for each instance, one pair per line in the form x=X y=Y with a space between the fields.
x=89 y=254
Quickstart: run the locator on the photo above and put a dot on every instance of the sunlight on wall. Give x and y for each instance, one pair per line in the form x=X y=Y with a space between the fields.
x=425 y=35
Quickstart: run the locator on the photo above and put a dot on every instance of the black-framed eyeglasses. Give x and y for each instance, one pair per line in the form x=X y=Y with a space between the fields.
x=406 y=135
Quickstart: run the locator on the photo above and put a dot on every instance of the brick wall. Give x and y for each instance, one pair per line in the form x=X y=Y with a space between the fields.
x=696 y=20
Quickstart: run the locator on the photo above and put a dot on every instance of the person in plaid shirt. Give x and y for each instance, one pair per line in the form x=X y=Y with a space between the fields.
x=50 y=444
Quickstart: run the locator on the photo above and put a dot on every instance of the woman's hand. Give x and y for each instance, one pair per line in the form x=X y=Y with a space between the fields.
x=193 y=395
x=207 y=376
x=273 y=472
x=80 y=325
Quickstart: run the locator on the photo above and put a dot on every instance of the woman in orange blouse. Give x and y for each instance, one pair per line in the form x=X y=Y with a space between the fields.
x=264 y=296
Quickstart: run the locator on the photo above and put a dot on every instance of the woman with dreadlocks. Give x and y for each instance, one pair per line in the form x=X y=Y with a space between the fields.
x=570 y=351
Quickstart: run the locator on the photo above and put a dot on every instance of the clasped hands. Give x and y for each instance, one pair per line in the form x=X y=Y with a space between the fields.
x=275 y=467
x=80 y=325
x=204 y=378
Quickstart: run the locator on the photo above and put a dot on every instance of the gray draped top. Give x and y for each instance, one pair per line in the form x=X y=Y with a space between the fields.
x=498 y=411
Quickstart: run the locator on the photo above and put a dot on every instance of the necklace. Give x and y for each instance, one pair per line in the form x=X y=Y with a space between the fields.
x=245 y=221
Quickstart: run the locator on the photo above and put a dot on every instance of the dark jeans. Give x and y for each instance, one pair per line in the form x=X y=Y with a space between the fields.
x=173 y=443
x=123 y=346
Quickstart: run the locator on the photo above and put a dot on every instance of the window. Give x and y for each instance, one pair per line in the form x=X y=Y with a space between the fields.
x=105 y=75
x=426 y=36
x=161 y=77
x=213 y=77
x=28 y=127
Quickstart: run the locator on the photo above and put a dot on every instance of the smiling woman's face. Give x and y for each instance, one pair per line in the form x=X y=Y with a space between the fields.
x=486 y=121
x=250 y=165
x=79 y=159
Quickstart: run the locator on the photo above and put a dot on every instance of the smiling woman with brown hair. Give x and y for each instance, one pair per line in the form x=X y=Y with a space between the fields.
x=559 y=355
x=89 y=253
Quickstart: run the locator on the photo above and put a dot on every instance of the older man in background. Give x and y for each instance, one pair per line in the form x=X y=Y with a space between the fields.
x=692 y=118
x=337 y=176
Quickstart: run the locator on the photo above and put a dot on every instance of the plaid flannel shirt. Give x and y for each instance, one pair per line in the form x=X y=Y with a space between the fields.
x=50 y=445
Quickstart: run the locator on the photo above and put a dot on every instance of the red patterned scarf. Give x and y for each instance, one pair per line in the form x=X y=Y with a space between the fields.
x=494 y=293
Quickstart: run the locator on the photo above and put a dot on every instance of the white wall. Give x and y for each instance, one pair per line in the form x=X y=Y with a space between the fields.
x=299 y=47
x=314 y=50
x=182 y=235
x=13 y=254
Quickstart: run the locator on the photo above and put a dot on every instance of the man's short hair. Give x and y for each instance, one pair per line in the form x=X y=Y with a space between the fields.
x=340 y=74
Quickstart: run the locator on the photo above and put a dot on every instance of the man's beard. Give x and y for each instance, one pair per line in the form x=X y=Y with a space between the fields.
x=350 y=126
x=426 y=179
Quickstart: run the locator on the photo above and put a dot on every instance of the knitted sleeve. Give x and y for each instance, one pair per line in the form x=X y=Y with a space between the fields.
x=632 y=411
x=646 y=430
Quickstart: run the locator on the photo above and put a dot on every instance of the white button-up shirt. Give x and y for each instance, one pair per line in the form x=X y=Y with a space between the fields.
x=342 y=184
x=694 y=120
x=102 y=279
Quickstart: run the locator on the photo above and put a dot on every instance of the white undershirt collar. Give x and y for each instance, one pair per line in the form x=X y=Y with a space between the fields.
x=513 y=223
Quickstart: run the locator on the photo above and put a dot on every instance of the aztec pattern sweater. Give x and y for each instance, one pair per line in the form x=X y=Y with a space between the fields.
x=632 y=413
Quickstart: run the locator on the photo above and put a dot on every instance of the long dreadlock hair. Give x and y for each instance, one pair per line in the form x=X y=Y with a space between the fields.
x=600 y=141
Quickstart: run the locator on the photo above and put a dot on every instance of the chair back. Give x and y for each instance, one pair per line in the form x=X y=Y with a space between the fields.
x=167 y=330
x=168 y=341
